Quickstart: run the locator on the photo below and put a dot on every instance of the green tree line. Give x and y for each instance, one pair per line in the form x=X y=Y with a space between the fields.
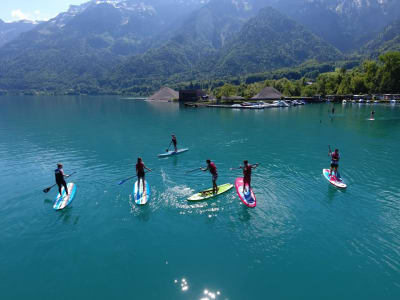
x=370 y=77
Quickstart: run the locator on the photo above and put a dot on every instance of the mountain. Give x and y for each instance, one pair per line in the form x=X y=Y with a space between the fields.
x=270 y=41
x=76 y=48
x=10 y=31
x=108 y=45
x=346 y=24
x=387 y=40
x=192 y=48
x=223 y=39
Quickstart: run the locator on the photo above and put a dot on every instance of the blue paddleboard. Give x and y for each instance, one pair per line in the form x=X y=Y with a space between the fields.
x=141 y=198
x=62 y=201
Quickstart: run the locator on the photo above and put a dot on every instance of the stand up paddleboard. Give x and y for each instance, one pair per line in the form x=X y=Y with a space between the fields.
x=141 y=198
x=62 y=201
x=207 y=194
x=171 y=153
x=337 y=182
x=248 y=198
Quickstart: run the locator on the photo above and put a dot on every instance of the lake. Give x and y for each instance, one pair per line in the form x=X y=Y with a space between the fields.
x=304 y=240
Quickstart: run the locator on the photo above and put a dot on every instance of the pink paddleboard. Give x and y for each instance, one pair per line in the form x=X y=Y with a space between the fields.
x=337 y=182
x=248 y=198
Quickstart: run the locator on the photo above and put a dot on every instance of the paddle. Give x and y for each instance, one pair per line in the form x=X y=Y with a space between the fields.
x=231 y=169
x=49 y=188
x=168 y=147
x=125 y=180
x=194 y=170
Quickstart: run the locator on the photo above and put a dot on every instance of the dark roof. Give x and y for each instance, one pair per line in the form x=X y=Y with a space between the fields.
x=269 y=93
x=165 y=94
x=232 y=98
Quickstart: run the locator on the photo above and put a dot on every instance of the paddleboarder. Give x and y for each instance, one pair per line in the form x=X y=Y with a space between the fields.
x=373 y=114
x=214 y=172
x=140 y=167
x=60 y=178
x=174 y=142
x=247 y=168
x=335 y=157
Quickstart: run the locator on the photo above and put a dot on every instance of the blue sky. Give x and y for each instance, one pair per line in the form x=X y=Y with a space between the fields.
x=14 y=10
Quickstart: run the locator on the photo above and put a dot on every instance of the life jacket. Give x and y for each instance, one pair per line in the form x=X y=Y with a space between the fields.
x=213 y=169
x=247 y=171
x=140 y=168
x=59 y=173
x=335 y=156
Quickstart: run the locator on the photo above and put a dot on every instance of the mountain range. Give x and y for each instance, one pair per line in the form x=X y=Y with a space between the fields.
x=111 y=45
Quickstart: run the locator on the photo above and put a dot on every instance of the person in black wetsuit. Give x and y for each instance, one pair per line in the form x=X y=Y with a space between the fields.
x=174 y=142
x=59 y=173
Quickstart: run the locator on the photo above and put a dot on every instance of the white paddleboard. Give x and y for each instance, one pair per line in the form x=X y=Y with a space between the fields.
x=337 y=182
x=171 y=153
x=141 y=197
x=63 y=200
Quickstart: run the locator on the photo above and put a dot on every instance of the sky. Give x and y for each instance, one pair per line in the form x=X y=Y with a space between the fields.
x=15 y=10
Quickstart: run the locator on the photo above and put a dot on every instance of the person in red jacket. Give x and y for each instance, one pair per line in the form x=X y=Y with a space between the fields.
x=247 y=168
x=213 y=170
x=335 y=157
x=140 y=167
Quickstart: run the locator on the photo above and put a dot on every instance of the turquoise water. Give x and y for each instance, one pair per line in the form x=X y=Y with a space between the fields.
x=305 y=239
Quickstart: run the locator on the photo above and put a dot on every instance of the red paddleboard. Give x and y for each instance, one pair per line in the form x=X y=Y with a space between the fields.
x=337 y=182
x=248 y=198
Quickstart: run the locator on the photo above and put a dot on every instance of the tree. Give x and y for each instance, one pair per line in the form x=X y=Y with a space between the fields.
x=390 y=81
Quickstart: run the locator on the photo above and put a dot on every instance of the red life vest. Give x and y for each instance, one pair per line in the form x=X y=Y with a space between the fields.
x=247 y=171
x=213 y=169
x=335 y=156
x=140 y=167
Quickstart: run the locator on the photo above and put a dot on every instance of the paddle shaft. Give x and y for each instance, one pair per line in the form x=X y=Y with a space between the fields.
x=194 y=170
x=49 y=188
x=125 y=180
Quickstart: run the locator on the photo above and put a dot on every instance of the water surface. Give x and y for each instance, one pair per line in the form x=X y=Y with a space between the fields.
x=305 y=239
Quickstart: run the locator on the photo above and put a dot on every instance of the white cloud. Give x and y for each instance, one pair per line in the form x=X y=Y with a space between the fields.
x=36 y=15
x=19 y=15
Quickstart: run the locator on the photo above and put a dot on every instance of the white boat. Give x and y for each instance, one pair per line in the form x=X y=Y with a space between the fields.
x=367 y=101
x=376 y=101
x=236 y=106
x=344 y=101
x=295 y=102
x=393 y=101
x=361 y=101
x=354 y=101
x=280 y=103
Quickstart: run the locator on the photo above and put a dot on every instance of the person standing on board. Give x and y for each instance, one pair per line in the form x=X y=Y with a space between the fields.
x=373 y=114
x=59 y=173
x=174 y=142
x=247 y=168
x=213 y=170
x=140 y=167
x=335 y=157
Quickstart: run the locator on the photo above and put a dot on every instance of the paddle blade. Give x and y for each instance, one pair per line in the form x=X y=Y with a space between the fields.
x=46 y=190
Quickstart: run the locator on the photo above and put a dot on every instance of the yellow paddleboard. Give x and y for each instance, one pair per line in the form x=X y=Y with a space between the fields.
x=207 y=194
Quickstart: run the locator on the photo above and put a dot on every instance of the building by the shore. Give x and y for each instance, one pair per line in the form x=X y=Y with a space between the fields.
x=268 y=93
x=165 y=94
x=192 y=95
